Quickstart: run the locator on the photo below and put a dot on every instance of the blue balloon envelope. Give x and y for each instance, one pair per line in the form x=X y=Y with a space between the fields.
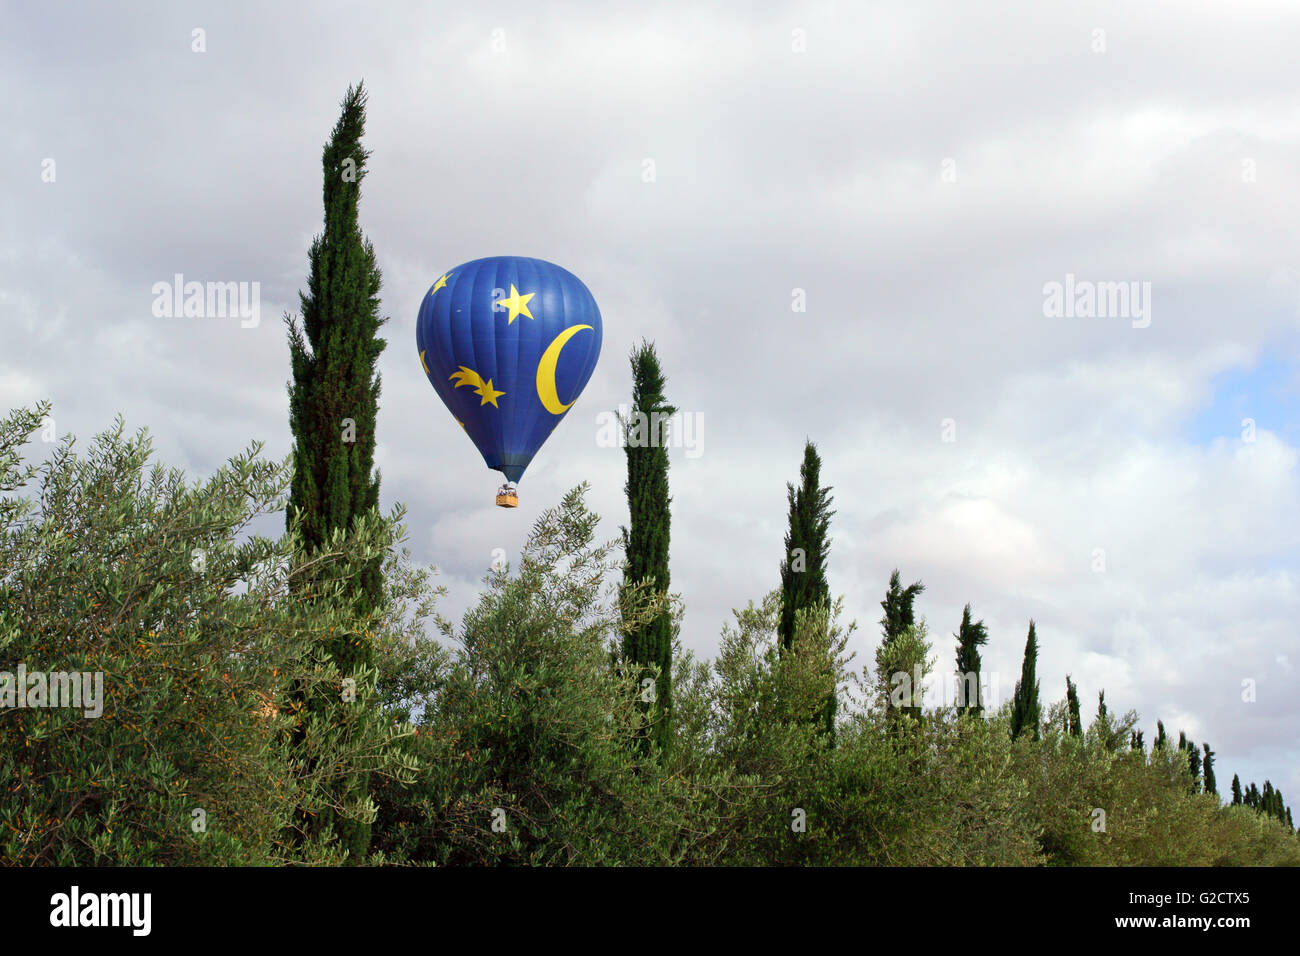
x=508 y=343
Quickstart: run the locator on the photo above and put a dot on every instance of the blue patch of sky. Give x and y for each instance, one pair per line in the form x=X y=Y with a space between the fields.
x=1267 y=392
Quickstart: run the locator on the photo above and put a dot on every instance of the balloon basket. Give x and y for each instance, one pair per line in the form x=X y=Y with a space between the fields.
x=507 y=497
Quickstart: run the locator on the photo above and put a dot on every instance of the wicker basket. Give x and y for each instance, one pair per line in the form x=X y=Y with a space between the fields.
x=507 y=499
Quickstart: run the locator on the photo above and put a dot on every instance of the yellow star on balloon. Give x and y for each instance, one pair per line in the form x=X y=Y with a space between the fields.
x=467 y=376
x=440 y=284
x=489 y=394
x=517 y=304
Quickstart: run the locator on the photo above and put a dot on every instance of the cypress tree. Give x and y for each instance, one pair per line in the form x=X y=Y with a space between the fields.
x=334 y=399
x=646 y=540
x=1194 y=765
x=1025 y=706
x=1135 y=741
x=334 y=396
x=1102 y=713
x=1268 y=800
x=807 y=550
x=1161 y=738
x=1236 y=790
x=899 y=607
x=970 y=636
x=1074 y=723
x=807 y=544
x=1207 y=764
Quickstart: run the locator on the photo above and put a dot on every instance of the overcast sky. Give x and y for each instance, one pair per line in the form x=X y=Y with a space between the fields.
x=922 y=171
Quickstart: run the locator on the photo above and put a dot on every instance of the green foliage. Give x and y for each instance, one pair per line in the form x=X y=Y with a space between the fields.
x=334 y=353
x=1074 y=721
x=525 y=750
x=1026 y=710
x=198 y=631
x=1269 y=802
x=1194 y=765
x=903 y=665
x=1101 y=805
x=898 y=625
x=899 y=606
x=1211 y=785
x=807 y=544
x=875 y=798
x=647 y=647
x=333 y=404
x=970 y=637
x=807 y=550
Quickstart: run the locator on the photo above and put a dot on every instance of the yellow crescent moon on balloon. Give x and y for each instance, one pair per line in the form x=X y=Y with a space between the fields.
x=546 y=390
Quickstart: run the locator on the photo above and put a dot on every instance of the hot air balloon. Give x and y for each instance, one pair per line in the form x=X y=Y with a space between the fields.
x=508 y=343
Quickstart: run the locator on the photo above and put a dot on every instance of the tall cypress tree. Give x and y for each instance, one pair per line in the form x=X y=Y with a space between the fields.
x=1236 y=790
x=807 y=550
x=645 y=540
x=1207 y=764
x=1074 y=723
x=970 y=636
x=807 y=544
x=334 y=398
x=1025 y=707
x=1162 y=739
